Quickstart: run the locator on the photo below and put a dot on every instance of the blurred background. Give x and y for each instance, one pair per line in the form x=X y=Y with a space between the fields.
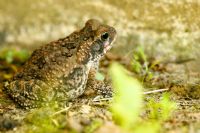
x=167 y=29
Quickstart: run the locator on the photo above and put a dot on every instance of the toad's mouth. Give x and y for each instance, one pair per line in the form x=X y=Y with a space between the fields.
x=107 y=46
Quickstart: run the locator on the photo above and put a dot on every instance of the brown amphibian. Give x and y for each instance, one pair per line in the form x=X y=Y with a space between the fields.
x=61 y=70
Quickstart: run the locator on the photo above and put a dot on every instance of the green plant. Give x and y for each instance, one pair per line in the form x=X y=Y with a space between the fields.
x=140 y=64
x=139 y=59
x=128 y=101
x=10 y=54
x=161 y=110
x=40 y=121
x=99 y=76
x=128 y=98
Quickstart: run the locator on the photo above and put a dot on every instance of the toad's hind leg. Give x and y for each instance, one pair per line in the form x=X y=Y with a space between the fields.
x=26 y=93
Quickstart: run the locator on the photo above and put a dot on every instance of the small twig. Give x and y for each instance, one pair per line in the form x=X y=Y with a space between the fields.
x=144 y=93
x=155 y=91
x=60 y=111
x=180 y=61
x=55 y=122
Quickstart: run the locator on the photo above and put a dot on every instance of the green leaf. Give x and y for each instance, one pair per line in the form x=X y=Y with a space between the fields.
x=150 y=127
x=127 y=99
x=167 y=106
x=9 y=54
x=161 y=110
x=137 y=67
x=99 y=76
x=142 y=54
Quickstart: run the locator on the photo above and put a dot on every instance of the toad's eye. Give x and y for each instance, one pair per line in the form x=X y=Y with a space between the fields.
x=104 y=36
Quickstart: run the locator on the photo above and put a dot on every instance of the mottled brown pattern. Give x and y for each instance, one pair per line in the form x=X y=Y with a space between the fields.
x=59 y=71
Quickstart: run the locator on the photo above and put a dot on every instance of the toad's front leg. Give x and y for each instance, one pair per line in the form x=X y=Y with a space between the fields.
x=96 y=87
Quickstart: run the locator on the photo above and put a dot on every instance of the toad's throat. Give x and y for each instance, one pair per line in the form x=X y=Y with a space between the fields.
x=107 y=46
